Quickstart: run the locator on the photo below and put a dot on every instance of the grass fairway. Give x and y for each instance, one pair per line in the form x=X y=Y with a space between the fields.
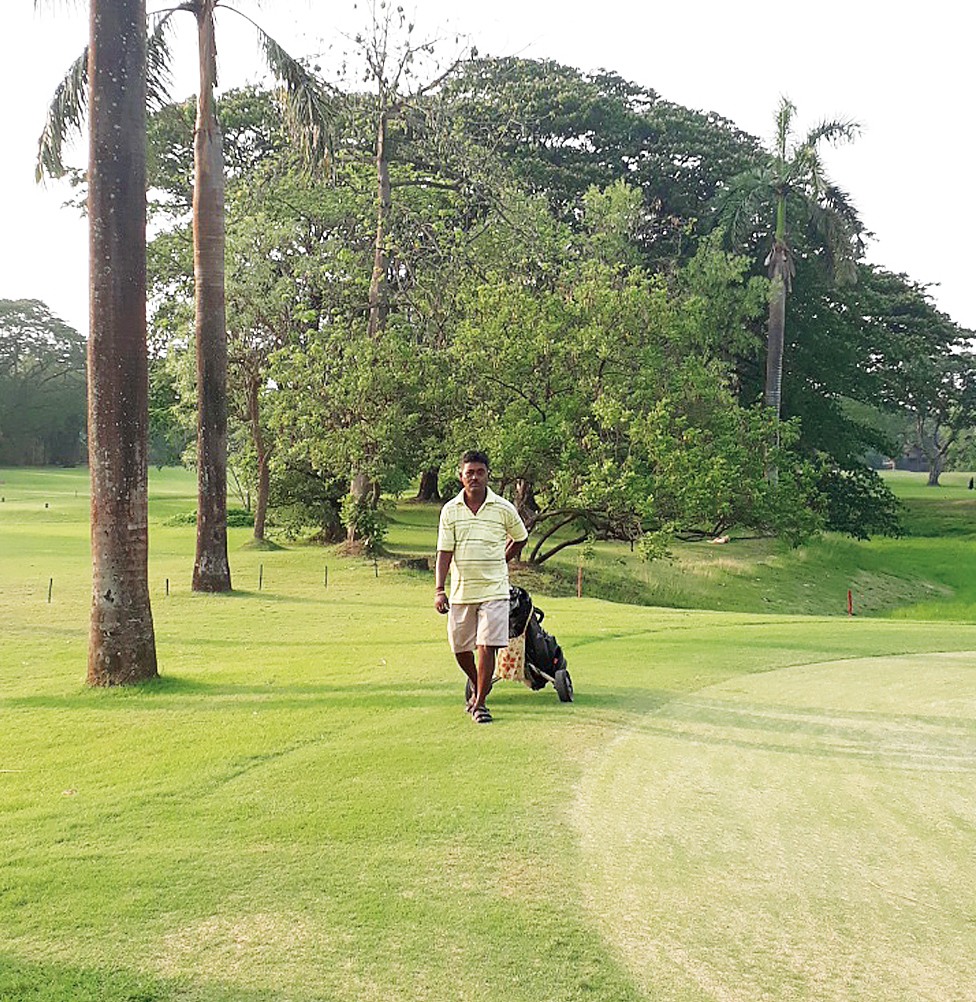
x=809 y=832
x=737 y=806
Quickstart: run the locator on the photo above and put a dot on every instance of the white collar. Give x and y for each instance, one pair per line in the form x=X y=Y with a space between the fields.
x=490 y=498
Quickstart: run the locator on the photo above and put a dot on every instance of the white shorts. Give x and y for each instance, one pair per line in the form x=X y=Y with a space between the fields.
x=478 y=624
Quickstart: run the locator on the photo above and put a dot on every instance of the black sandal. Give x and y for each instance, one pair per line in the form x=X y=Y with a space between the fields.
x=480 y=715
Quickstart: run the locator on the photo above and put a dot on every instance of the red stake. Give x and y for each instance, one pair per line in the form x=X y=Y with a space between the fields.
x=850 y=603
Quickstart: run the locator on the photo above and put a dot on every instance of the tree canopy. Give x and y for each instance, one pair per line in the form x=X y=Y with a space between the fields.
x=550 y=291
x=42 y=386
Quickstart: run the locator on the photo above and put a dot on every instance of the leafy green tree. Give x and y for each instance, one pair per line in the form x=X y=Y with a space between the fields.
x=169 y=436
x=42 y=386
x=560 y=131
x=791 y=184
x=605 y=412
x=943 y=405
x=883 y=345
x=961 y=455
x=856 y=501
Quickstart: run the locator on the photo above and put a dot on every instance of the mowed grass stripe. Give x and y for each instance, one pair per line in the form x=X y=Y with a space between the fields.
x=804 y=834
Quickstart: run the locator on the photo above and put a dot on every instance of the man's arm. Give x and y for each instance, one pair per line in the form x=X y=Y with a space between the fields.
x=513 y=549
x=440 y=577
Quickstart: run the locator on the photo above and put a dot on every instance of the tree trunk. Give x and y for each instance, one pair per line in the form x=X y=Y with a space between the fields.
x=525 y=503
x=211 y=571
x=429 y=490
x=263 y=454
x=359 y=486
x=121 y=639
x=776 y=329
x=378 y=291
x=931 y=447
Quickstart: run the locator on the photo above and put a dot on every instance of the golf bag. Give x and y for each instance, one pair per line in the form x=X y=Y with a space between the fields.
x=544 y=658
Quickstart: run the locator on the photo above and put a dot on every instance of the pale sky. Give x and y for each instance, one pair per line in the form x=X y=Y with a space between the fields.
x=904 y=71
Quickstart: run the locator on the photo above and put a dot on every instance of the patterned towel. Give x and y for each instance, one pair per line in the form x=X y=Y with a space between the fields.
x=511 y=660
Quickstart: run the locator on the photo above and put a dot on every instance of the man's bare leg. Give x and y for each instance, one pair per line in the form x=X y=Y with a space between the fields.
x=465 y=660
x=486 y=670
x=479 y=673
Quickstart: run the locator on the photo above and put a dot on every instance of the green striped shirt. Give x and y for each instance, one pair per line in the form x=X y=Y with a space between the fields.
x=479 y=572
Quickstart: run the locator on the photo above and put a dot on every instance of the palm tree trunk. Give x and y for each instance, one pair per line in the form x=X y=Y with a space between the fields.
x=776 y=333
x=121 y=639
x=211 y=571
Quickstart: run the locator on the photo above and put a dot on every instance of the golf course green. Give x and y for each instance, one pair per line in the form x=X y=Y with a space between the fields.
x=738 y=805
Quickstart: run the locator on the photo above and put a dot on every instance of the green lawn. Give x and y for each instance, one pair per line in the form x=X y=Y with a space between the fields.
x=737 y=806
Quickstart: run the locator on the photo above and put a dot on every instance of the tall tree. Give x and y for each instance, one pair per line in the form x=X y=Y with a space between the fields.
x=121 y=641
x=943 y=407
x=211 y=570
x=390 y=54
x=308 y=112
x=559 y=131
x=791 y=184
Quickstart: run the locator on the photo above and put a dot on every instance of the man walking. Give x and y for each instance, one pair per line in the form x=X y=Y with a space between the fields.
x=479 y=533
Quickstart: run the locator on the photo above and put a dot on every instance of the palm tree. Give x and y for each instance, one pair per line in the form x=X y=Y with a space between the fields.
x=791 y=183
x=121 y=640
x=308 y=112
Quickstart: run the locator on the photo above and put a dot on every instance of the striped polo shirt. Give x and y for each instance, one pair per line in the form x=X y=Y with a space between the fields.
x=479 y=572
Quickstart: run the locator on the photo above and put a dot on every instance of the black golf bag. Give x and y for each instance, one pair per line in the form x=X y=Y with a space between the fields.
x=544 y=658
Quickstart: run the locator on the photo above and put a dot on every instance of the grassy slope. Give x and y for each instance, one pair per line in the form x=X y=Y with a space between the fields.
x=300 y=810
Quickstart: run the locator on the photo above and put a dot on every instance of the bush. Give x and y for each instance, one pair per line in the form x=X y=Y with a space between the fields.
x=237 y=518
x=857 y=501
x=367 y=520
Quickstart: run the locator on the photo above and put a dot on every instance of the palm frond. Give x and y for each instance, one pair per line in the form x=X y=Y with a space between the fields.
x=784 y=122
x=65 y=117
x=808 y=172
x=839 y=202
x=835 y=132
x=741 y=205
x=309 y=108
x=840 y=239
x=158 y=62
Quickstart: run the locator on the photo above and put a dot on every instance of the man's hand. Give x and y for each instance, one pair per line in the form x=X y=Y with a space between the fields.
x=440 y=579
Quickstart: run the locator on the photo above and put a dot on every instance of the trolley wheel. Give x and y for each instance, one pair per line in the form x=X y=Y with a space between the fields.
x=563 y=685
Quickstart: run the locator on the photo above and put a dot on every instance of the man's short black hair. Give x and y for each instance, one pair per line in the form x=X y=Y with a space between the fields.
x=476 y=456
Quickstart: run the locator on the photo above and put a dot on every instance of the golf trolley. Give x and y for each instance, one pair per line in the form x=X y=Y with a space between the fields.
x=533 y=657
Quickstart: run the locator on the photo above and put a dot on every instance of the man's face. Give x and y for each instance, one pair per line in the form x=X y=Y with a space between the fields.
x=474 y=476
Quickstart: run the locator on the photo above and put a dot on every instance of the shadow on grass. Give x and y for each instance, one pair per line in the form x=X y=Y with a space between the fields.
x=33 y=981
x=621 y=706
x=263 y=596
x=158 y=695
x=316 y=649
